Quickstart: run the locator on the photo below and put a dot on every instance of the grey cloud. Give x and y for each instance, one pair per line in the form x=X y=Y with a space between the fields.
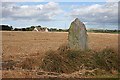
x=107 y=13
x=32 y=12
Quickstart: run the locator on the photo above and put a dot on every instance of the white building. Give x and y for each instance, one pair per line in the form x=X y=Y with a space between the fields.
x=41 y=29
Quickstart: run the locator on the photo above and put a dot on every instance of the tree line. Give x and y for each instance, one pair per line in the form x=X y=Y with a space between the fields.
x=10 y=28
x=6 y=27
x=104 y=31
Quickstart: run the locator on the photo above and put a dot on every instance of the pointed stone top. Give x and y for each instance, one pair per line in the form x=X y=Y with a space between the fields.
x=77 y=19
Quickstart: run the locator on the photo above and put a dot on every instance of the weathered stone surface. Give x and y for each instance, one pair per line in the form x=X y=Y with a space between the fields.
x=77 y=37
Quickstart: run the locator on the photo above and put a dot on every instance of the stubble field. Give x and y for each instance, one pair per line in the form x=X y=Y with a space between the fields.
x=20 y=45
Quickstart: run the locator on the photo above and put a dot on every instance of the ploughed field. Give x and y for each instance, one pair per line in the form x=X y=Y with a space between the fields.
x=20 y=45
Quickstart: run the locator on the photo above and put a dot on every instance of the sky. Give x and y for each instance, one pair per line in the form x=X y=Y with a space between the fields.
x=54 y=14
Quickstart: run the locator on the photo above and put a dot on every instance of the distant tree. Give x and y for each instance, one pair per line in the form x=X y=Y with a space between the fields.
x=6 y=27
x=60 y=30
x=11 y=27
x=0 y=27
x=53 y=29
x=27 y=29
x=38 y=26
x=32 y=27
x=16 y=29
x=23 y=29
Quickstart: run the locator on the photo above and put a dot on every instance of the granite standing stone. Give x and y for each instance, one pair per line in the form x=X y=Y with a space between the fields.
x=77 y=37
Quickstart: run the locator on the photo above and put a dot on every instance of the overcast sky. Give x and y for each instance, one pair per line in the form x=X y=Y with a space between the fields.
x=60 y=14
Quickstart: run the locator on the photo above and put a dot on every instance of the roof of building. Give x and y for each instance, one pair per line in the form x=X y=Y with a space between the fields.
x=41 y=28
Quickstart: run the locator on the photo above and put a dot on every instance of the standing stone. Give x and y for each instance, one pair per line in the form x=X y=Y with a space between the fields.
x=77 y=37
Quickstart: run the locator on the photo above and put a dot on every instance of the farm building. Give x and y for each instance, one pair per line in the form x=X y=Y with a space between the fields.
x=41 y=29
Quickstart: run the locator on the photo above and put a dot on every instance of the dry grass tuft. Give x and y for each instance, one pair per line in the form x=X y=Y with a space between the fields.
x=31 y=63
x=106 y=59
x=65 y=60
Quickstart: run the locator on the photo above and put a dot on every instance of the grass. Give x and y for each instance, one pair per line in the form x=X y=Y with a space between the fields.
x=103 y=63
x=107 y=59
x=93 y=63
x=26 y=51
